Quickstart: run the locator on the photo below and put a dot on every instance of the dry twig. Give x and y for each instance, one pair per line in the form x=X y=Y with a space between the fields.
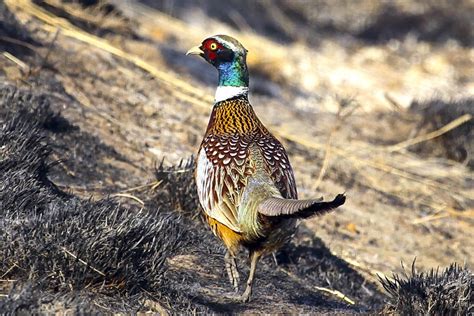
x=83 y=262
x=133 y=197
x=422 y=138
x=336 y=293
x=340 y=118
x=16 y=60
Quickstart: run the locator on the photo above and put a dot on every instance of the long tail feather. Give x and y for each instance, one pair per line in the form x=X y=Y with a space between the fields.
x=299 y=208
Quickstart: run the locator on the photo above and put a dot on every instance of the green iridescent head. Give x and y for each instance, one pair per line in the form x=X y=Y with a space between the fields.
x=228 y=56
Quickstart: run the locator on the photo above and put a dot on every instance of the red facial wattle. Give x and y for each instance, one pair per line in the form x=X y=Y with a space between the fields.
x=210 y=48
x=211 y=55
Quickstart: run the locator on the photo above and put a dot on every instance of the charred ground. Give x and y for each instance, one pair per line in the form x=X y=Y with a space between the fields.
x=82 y=255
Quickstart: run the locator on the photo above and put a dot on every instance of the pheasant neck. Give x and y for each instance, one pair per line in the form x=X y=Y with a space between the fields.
x=233 y=79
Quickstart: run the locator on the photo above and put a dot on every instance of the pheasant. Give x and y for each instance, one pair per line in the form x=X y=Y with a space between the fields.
x=244 y=179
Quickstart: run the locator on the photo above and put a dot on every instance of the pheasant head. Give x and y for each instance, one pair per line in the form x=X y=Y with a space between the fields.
x=228 y=56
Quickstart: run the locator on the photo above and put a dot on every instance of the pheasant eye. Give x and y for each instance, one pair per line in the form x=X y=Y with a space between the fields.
x=213 y=46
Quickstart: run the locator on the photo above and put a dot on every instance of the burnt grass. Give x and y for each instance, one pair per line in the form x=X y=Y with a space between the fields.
x=449 y=292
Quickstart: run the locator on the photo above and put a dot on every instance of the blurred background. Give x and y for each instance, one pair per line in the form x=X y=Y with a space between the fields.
x=374 y=98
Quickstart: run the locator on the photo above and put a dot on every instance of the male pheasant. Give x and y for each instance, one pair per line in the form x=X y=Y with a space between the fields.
x=244 y=179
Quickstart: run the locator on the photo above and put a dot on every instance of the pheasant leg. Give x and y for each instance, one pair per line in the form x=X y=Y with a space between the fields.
x=232 y=271
x=245 y=297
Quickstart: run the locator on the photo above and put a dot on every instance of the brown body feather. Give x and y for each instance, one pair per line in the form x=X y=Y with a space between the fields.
x=237 y=152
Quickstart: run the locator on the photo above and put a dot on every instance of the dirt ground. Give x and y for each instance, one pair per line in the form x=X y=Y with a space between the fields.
x=339 y=96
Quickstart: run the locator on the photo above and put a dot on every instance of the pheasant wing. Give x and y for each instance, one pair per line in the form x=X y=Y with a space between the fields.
x=278 y=165
x=223 y=167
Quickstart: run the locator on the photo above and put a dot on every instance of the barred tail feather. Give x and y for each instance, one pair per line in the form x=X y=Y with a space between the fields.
x=299 y=208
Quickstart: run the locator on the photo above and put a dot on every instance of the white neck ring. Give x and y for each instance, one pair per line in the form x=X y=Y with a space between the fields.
x=228 y=92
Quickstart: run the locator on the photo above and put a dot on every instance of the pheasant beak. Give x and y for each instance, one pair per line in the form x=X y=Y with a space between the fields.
x=196 y=50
